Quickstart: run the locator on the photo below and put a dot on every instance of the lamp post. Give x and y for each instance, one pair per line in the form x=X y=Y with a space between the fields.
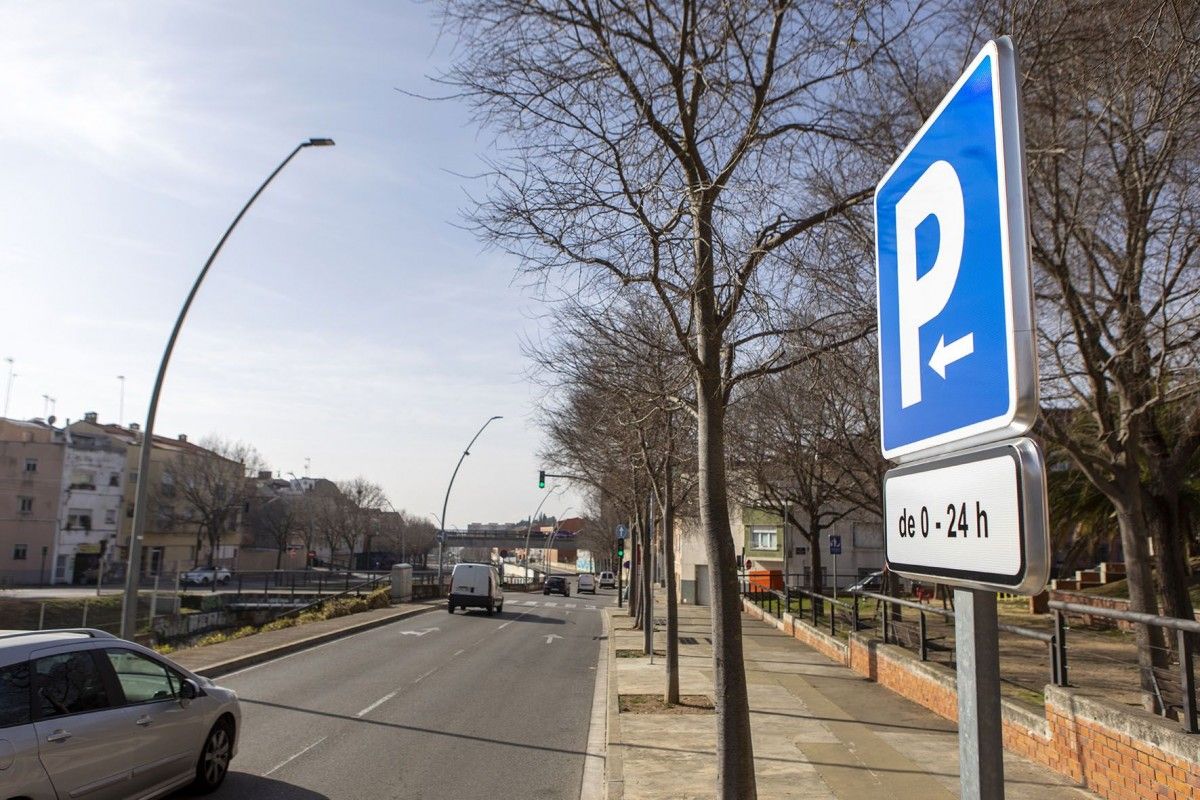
x=550 y=543
x=129 y=603
x=446 y=502
x=529 y=530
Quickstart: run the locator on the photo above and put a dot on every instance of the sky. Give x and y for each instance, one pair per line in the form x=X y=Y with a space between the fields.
x=350 y=320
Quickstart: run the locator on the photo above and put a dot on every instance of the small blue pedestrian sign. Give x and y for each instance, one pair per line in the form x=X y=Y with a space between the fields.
x=622 y=531
x=835 y=544
x=956 y=358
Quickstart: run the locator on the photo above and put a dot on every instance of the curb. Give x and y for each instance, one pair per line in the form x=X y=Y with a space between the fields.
x=614 y=763
x=241 y=662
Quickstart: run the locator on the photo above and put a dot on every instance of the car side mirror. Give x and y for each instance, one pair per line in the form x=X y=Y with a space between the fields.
x=188 y=691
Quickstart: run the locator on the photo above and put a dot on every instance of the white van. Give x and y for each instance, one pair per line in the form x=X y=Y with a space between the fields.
x=475 y=586
x=587 y=583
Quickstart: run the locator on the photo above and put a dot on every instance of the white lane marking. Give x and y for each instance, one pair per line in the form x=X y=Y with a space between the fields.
x=425 y=675
x=377 y=704
x=505 y=625
x=292 y=758
x=420 y=632
x=458 y=653
x=529 y=603
x=593 y=786
x=550 y=605
x=550 y=637
x=591 y=608
x=568 y=605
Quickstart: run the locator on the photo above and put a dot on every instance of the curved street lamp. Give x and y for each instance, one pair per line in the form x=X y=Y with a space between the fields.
x=442 y=522
x=132 y=572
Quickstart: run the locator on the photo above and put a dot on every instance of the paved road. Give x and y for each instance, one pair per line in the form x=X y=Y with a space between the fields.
x=458 y=706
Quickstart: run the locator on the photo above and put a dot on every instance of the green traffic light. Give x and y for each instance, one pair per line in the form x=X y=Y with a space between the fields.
x=542 y=479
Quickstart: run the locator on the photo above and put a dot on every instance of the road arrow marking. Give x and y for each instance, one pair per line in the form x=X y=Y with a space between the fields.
x=550 y=637
x=946 y=354
x=419 y=633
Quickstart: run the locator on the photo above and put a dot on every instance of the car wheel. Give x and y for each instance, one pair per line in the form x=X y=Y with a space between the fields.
x=213 y=765
x=450 y=607
x=224 y=581
x=204 y=581
x=491 y=608
x=500 y=608
x=546 y=592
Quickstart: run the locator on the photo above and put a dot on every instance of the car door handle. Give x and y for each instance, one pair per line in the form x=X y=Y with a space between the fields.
x=144 y=720
x=59 y=736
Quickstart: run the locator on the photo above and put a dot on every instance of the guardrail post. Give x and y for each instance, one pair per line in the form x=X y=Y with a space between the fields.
x=1060 y=644
x=856 y=612
x=813 y=599
x=924 y=643
x=884 y=605
x=832 y=619
x=1054 y=660
x=1187 y=680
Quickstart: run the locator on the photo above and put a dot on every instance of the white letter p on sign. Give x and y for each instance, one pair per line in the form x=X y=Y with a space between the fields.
x=936 y=193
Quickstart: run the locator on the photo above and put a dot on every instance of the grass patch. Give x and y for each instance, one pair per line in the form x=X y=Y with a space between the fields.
x=632 y=653
x=331 y=609
x=654 y=704
x=22 y=613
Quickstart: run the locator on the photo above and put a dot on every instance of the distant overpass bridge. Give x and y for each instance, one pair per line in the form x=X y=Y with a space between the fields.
x=506 y=538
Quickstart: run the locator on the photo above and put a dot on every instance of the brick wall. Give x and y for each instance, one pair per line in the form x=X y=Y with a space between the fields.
x=1118 y=752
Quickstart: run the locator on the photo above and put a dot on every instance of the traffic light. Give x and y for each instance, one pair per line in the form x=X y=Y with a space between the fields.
x=620 y=549
x=542 y=479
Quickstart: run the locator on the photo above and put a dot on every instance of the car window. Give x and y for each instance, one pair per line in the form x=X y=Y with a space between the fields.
x=68 y=683
x=142 y=679
x=14 y=695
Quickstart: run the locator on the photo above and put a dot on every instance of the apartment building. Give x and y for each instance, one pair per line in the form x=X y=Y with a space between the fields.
x=89 y=512
x=174 y=537
x=31 y=475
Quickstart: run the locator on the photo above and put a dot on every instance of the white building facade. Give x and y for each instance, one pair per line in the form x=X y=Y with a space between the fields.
x=89 y=515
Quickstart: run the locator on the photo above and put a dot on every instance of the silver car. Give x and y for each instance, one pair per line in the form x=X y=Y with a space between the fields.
x=84 y=714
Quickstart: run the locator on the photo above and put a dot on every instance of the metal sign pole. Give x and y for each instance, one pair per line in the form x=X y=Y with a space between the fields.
x=977 y=653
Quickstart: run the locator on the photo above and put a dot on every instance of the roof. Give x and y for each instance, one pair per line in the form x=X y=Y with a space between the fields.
x=16 y=645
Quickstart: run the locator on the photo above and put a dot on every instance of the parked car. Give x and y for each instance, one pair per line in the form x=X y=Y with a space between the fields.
x=113 y=573
x=475 y=586
x=83 y=713
x=870 y=583
x=205 y=576
x=608 y=580
x=558 y=585
x=587 y=583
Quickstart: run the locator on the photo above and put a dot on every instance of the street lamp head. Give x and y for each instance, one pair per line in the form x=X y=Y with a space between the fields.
x=318 y=143
x=497 y=417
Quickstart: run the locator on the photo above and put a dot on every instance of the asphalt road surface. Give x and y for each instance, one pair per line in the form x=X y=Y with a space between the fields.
x=458 y=706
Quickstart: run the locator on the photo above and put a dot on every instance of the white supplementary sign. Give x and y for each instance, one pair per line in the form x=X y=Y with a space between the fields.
x=973 y=519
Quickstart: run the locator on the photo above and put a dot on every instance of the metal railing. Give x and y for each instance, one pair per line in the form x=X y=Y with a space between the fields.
x=1186 y=632
x=357 y=590
x=1175 y=696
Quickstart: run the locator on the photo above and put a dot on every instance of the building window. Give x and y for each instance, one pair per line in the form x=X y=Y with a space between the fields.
x=20 y=552
x=82 y=479
x=133 y=477
x=764 y=539
x=110 y=516
x=31 y=465
x=114 y=479
x=79 y=518
x=26 y=505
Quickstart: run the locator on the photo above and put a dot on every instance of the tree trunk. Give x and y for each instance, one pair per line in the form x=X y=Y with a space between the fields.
x=815 y=584
x=1151 y=645
x=632 y=556
x=1170 y=555
x=635 y=573
x=671 y=694
x=648 y=579
x=735 y=749
x=278 y=558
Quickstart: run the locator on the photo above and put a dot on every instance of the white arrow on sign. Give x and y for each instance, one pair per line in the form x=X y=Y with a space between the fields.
x=419 y=633
x=550 y=637
x=946 y=354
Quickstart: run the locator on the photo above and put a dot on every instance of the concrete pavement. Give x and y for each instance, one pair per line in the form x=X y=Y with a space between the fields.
x=820 y=731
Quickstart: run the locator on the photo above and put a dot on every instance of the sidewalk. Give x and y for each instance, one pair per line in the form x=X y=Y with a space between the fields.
x=820 y=731
x=219 y=659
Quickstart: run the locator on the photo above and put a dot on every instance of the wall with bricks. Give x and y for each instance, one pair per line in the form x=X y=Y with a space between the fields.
x=1118 y=752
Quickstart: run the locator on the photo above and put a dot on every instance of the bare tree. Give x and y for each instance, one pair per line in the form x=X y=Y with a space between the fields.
x=279 y=520
x=211 y=481
x=685 y=150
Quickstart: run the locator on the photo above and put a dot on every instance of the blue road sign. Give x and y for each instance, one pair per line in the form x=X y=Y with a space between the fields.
x=835 y=544
x=956 y=357
x=622 y=531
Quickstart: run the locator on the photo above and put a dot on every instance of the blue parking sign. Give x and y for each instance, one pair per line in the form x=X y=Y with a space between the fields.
x=956 y=343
